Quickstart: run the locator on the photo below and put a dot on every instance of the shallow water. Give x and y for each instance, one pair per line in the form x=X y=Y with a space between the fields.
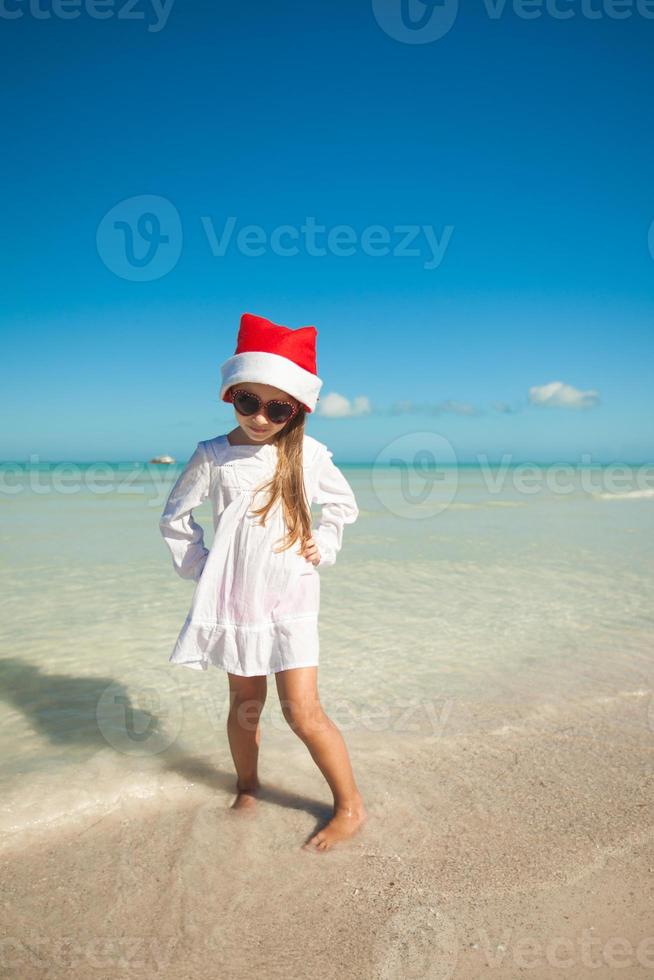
x=455 y=607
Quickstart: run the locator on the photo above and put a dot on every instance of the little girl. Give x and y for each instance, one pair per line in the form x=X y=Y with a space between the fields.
x=255 y=605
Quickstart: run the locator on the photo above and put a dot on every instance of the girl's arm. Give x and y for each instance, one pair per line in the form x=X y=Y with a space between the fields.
x=183 y=535
x=339 y=508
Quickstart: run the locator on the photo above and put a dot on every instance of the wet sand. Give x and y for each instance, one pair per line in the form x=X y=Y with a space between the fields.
x=523 y=850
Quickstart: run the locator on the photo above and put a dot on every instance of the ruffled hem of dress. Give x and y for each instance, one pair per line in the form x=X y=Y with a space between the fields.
x=249 y=651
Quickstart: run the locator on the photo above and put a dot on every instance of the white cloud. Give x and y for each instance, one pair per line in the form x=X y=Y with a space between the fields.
x=335 y=406
x=562 y=395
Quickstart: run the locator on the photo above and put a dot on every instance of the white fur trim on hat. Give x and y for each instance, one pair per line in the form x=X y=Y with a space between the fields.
x=271 y=369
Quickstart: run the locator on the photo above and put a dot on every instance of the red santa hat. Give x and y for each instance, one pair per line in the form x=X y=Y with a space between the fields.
x=271 y=354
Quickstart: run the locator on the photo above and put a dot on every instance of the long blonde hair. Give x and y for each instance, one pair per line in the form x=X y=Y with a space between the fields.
x=287 y=483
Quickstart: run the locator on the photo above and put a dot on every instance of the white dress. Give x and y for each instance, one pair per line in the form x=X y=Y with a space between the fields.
x=253 y=611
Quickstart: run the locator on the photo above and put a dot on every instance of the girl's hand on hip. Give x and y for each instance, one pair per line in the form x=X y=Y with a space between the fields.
x=311 y=552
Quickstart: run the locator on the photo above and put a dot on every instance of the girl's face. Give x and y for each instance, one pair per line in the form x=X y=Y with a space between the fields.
x=258 y=426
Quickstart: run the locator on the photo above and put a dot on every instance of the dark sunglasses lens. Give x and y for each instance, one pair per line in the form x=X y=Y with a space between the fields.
x=245 y=404
x=279 y=412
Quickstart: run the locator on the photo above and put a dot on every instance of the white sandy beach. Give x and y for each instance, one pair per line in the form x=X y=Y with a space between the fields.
x=527 y=851
x=491 y=671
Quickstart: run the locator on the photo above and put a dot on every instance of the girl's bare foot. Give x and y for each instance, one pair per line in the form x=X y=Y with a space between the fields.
x=247 y=796
x=345 y=822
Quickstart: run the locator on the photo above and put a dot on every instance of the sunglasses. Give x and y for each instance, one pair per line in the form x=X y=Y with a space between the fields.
x=276 y=411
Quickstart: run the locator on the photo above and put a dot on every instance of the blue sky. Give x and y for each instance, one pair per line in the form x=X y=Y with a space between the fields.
x=517 y=154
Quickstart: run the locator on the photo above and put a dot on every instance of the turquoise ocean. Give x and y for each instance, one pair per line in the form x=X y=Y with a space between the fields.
x=463 y=600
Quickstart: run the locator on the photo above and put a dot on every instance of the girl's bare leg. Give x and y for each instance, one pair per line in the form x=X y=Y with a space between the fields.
x=298 y=695
x=247 y=696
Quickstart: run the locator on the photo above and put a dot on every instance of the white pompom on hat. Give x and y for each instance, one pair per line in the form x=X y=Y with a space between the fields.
x=268 y=353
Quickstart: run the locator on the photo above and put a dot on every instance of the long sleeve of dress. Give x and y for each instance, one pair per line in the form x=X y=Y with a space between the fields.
x=339 y=508
x=183 y=535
